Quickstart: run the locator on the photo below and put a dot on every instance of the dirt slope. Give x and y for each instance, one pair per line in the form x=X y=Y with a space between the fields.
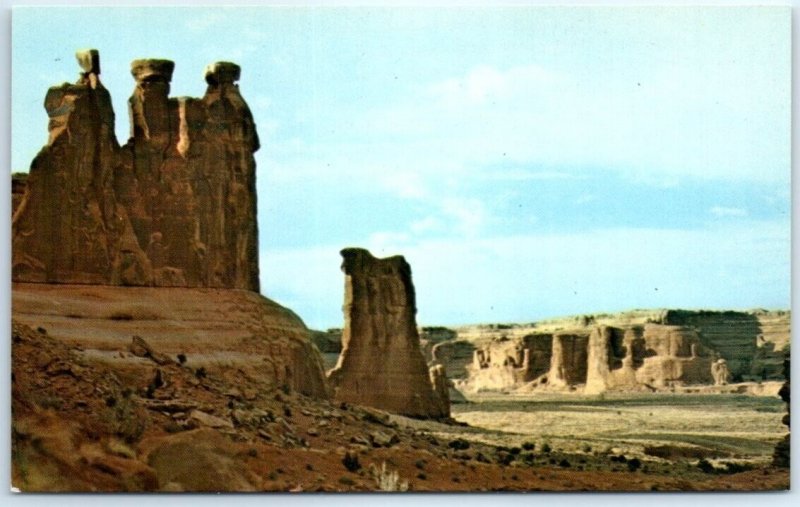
x=84 y=425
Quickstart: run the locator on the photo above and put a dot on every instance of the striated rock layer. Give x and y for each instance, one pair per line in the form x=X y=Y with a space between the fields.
x=233 y=334
x=175 y=206
x=639 y=350
x=381 y=364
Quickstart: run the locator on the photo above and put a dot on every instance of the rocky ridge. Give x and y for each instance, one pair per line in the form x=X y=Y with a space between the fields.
x=637 y=350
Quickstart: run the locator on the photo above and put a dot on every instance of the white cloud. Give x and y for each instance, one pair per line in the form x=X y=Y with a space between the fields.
x=427 y=225
x=469 y=215
x=653 y=125
x=722 y=211
x=203 y=22
x=404 y=184
x=485 y=84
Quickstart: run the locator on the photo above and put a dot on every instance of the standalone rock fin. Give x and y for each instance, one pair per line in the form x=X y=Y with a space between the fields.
x=381 y=364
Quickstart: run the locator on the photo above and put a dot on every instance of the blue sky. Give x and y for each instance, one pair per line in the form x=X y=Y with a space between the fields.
x=528 y=162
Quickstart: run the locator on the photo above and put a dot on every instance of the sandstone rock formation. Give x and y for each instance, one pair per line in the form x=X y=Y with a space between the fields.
x=175 y=206
x=641 y=350
x=719 y=370
x=568 y=358
x=441 y=388
x=381 y=364
x=232 y=334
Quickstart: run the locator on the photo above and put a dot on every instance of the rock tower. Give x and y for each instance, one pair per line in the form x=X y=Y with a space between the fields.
x=381 y=364
x=175 y=206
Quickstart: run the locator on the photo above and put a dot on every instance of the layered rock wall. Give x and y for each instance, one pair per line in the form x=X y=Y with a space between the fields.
x=657 y=350
x=381 y=364
x=175 y=206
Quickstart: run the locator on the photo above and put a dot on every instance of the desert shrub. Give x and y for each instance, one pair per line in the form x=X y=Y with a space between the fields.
x=350 y=462
x=124 y=418
x=634 y=464
x=347 y=481
x=735 y=468
x=481 y=458
x=458 y=444
x=515 y=450
x=421 y=476
x=586 y=448
x=546 y=448
x=564 y=463
x=504 y=458
x=675 y=452
x=420 y=463
x=705 y=466
x=528 y=446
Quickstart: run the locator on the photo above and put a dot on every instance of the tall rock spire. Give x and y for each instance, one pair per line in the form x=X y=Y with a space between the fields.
x=175 y=206
x=381 y=363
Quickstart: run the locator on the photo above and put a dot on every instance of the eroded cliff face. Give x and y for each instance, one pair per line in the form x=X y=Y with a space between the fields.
x=640 y=350
x=175 y=206
x=381 y=364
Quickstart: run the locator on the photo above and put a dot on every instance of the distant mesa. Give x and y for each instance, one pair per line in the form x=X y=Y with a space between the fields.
x=174 y=207
x=381 y=364
x=634 y=351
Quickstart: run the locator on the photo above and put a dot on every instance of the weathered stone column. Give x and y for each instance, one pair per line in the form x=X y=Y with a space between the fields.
x=381 y=364
x=68 y=227
x=597 y=367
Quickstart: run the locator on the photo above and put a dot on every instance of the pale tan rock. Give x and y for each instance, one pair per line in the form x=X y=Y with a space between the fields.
x=203 y=419
x=567 y=360
x=597 y=367
x=719 y=370
x=381 y=364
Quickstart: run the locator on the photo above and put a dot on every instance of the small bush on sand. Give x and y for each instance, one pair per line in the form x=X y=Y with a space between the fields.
x=350 y=462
